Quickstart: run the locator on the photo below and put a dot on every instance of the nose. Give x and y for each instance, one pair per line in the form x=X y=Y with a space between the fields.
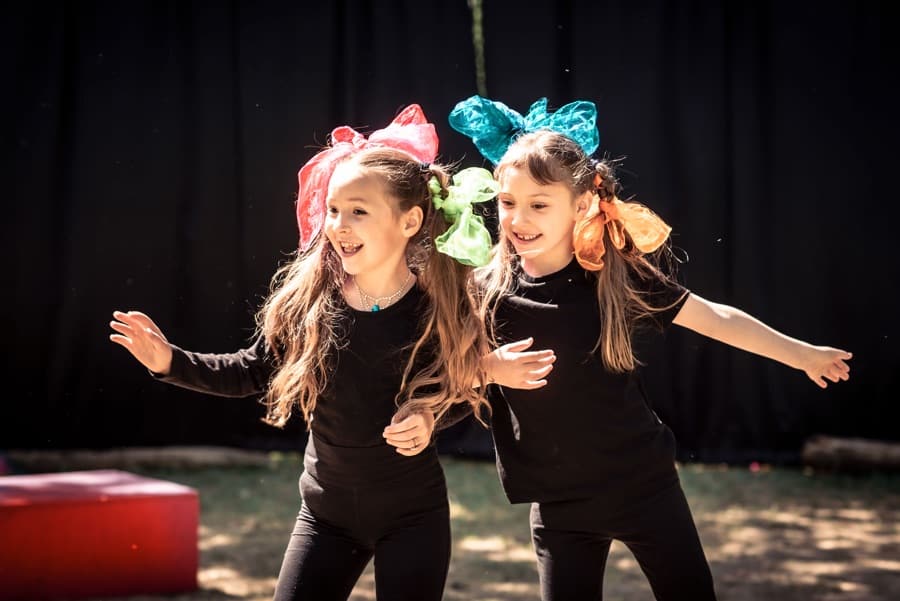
x=515 y=217
x=339 y=223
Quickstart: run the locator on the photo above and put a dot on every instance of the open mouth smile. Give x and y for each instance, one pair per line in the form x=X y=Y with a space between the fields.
x=526 y=237
x=348 y=249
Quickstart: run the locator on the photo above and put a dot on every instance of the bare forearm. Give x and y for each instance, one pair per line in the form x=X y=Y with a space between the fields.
x=745 y=332
x=736 y=328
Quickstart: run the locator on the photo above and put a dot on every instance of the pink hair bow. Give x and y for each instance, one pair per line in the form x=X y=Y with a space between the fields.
x=409 y=131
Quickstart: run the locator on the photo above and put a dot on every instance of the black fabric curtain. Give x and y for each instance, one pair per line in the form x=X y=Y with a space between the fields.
x=154 y=160
x=764 y=133
x=153 y=150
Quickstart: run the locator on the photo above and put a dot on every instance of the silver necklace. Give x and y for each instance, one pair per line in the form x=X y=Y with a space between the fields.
x=373 y=303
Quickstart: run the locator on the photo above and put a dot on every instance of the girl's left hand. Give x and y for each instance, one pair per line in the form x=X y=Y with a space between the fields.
x=411 y=435
x=825 y=363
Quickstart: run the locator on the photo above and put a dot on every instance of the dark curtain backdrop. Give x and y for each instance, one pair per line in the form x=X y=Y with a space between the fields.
x=766 y=134
x=153 y=150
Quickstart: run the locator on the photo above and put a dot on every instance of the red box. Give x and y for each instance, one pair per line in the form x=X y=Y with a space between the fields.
x=95 y=533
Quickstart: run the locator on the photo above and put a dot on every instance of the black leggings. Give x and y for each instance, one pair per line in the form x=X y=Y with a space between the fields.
x=406 y=530
x=572 y=540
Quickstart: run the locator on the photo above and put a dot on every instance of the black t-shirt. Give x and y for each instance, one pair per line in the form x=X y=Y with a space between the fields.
x=588 y=432
x=358 y=402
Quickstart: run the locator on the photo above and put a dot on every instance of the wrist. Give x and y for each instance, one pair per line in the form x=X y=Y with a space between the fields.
x=487 y=365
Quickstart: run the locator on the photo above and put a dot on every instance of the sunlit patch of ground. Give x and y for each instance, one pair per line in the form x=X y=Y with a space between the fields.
x=773 y=534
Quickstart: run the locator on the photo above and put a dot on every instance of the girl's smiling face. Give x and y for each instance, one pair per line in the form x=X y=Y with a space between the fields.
x=362 y=221
x=538 y=220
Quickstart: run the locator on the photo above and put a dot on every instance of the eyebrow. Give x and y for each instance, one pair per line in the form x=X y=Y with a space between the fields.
x=351 y=199
x=535 y=195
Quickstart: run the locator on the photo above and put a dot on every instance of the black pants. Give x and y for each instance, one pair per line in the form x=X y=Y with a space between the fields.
x=338 y=530
x=572 y=540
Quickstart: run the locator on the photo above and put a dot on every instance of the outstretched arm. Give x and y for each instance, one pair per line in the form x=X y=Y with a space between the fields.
x=242 y=373
x=738 y=329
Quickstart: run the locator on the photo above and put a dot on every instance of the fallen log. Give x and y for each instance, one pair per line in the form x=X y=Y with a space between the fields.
x=851 y=454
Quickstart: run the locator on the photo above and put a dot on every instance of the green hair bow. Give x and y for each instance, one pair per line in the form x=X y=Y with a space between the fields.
x=467 y=240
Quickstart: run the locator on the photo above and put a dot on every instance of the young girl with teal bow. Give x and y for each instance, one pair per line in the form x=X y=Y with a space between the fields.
x=576 y=272
x=371 y=333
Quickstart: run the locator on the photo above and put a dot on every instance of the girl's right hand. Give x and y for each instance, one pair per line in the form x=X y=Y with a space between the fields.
x=513 y=367
x=823 y=363
x=143 y=339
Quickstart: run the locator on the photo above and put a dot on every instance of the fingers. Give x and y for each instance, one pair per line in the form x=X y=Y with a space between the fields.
x=125 y=336
x=140 y=335
x=142 y=319
x=512 y=352
x=547 y=356
x=410 y=444
x=537 y=374
x=535 y=378
x=122 y=340
x=518 y=346
x=532 y=384
x=407 y=439
x=830 y=366
x=122 y=328
x=126 y=317
x=843 y=368
x=406 y=431
x=838 y=372
x=405 y=425
x=534 y=368
x=139 y=321
x=411 y=435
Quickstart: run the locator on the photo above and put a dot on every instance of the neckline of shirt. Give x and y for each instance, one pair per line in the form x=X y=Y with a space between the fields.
x=570 y=270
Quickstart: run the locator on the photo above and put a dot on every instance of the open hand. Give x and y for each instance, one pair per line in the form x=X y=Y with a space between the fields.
x=411 y=435
x=514 y=367
x=825 y=363
x=143 y=339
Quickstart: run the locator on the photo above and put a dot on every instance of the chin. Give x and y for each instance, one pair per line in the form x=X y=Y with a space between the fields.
x=350 y=267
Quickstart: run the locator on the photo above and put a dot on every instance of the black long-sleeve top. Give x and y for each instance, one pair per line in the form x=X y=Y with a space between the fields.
x=346 y=445
x=588 y=432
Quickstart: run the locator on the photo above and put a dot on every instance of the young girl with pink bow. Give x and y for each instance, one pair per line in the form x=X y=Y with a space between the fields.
x=576 y=272
x=371 y=333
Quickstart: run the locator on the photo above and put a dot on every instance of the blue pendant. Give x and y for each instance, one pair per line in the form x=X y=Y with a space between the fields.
x=375 y=308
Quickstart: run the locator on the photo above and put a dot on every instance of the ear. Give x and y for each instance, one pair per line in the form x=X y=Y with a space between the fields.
x=411 y=222
x=583 y=203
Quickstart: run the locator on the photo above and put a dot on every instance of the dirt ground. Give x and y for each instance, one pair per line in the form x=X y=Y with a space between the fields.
x=769 y=534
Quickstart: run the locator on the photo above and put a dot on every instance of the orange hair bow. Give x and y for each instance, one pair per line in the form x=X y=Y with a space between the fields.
x=647 y=231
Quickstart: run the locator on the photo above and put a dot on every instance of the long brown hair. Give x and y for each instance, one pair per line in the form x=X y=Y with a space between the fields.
x=551 y=158
x=301 y=317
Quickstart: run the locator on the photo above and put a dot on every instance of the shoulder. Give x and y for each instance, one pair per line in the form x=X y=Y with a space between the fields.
x=660 y=294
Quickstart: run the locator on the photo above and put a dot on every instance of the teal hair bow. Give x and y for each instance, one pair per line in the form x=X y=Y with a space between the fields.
x=493 y=126
x=466 y=240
